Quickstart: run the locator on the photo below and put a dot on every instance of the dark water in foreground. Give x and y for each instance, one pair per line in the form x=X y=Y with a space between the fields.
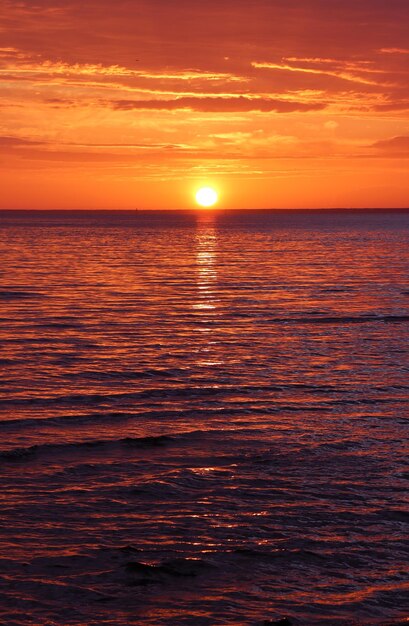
x=203 y=418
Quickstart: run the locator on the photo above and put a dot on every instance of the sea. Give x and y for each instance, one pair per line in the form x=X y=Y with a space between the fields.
x=204 y=417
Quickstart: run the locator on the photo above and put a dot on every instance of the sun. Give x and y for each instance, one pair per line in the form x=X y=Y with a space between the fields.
x=206 y=196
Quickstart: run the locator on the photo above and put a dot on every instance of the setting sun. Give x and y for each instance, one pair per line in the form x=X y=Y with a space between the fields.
x=206 y=197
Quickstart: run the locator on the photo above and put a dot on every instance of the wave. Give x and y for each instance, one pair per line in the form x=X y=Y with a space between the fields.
x=125 y=375
x=158 y=392
x=122 y=416
x=145 y=573
x=95 y=398
x=337 y=319
x=28 y=452
x=195 y=392
x=20 y=294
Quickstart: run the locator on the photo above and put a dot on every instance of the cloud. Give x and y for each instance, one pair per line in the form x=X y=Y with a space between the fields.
x=347 y=72
x=331 y=125
x=211 y=47
x=17 y=142
x=395 y=145
x=392 y=105
x=394 y=50
x=217 y=105
x=26 y=67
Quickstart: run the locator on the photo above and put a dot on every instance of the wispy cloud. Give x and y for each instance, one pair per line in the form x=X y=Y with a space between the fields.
x=28 y=68
x=17 y=142
x=349 y=73
x=215 y=104
x=395 y=50
x=395 y=145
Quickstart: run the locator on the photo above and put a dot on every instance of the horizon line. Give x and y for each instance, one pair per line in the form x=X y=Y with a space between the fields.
x=201 y=210
x=210 y=210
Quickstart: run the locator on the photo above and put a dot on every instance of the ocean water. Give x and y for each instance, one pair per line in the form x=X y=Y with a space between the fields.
x=204 y=418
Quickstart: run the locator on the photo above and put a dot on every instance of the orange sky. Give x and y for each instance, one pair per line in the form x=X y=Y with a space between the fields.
x=136 y=103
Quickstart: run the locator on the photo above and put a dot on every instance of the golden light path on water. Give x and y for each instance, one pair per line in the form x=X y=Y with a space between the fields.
x=205 y=305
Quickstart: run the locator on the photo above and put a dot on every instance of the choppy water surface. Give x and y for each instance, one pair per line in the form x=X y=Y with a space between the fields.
x=203 y=418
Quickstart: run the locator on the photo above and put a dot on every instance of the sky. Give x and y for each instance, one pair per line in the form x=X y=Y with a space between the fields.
x=138 y=103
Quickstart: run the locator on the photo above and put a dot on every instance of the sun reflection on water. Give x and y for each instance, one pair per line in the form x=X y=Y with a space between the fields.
x=206 y=303
x=206 y=267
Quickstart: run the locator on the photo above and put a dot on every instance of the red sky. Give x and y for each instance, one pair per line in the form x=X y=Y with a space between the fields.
x=137 y=103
